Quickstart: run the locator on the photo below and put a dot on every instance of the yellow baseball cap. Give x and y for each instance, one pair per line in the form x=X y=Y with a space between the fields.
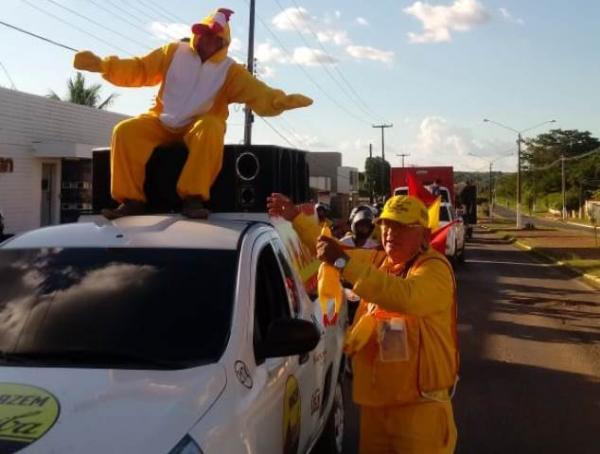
x=405 y=209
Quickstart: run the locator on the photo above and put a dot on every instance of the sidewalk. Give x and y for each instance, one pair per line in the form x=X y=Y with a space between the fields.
x=570 y=248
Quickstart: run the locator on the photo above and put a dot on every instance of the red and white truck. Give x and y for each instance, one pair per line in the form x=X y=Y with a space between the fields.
x=443 y=176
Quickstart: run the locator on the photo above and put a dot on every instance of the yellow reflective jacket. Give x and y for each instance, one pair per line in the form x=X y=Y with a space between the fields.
x=424 y=295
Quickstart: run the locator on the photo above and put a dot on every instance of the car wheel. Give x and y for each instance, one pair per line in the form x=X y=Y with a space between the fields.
x=332 y=438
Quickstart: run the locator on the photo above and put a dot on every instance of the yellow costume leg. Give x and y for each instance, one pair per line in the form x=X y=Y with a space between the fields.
x=408 y=429
x=205 y=145
x=133 y=141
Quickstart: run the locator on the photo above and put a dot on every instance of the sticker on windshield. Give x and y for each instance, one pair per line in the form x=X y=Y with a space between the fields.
x=291 y=416
x=26 y=414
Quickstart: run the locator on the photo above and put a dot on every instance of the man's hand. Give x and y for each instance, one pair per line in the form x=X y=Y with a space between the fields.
x=282 y=206
x=329 y=250
x=292 y=102
x=87 y=61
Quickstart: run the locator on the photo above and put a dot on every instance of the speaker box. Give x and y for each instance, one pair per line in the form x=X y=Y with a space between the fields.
x=249 y=174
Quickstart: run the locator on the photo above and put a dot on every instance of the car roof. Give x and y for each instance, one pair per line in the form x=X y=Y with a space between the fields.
x=220 y=231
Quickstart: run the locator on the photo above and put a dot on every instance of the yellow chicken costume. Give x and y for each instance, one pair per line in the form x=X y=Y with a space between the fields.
x=192 y=104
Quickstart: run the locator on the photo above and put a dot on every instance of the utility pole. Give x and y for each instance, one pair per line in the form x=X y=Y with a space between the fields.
x=402 y=155
x=563 y=185
x=491 y=202
x=382 y=127
x=370 y=182
x=519 y=140
x=248 y=116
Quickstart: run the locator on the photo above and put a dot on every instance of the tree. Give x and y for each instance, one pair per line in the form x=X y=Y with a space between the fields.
x=542 y=174
x=377 y=172
x=78 y=93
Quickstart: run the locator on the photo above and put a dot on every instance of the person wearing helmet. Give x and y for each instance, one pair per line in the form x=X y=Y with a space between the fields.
x=403 y=343
x=361 y=227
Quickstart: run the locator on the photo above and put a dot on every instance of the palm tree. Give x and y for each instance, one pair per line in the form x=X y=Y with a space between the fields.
x=78 y=93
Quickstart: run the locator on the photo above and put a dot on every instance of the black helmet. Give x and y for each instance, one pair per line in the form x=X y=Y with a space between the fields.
x=366 y=212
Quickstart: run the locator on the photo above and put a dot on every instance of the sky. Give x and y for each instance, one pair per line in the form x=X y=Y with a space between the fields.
x=432 y=69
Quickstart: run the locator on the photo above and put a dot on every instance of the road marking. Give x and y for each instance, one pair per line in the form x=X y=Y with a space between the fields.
x=500 y=262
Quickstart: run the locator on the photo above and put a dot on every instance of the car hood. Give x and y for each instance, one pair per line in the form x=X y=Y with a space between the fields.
x=101 y=411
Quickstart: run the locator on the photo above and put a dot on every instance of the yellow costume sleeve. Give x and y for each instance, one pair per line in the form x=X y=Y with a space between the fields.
x=428 y=288
x=143 y=71
x=242 y=87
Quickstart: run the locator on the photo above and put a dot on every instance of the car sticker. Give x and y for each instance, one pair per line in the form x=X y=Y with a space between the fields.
x=243 y=375
x=26 y=414
x=291 y=416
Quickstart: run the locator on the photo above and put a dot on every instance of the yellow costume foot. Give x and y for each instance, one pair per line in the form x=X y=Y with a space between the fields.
x=193 y=207
x=127 y=208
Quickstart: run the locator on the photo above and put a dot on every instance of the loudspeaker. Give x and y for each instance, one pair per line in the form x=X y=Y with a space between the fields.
x=248 y=175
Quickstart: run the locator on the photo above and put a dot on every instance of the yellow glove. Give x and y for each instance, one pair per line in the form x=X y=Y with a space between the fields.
x=87 y=61
x=292 y=102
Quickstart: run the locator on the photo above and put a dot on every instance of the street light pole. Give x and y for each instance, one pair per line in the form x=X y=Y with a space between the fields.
x=402 y=155
x=519 y=141
x=490 y=200
x=563 y=185
x=248 y=116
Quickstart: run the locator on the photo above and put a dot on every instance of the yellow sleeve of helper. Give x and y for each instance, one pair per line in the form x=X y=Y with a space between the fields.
x=143 y=71
x=308 y=230
x=242 y=87
x=428 y=288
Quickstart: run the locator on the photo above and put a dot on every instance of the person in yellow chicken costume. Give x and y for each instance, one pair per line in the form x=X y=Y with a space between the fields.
x=197 y=83
x=403 y=342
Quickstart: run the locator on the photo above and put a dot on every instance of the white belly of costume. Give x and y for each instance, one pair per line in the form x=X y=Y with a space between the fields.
x=190 y=86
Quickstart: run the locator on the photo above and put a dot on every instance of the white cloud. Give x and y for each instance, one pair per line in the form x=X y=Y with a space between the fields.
x=265 y=72
x=236 y=45
x=312 y=57
x=440 y=143
x=510 y=18
x=292 y=18
x=170 y=30
x=370 y=53
x=439 y=21
x=362 y=21
x=267 y=53
x=338 y=37
x=338 y=14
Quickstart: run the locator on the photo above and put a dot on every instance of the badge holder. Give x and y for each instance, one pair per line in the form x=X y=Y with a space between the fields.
x=392 y=339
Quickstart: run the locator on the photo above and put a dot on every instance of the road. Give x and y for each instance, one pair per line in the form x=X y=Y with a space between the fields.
x=548 y=223
x=530 y=343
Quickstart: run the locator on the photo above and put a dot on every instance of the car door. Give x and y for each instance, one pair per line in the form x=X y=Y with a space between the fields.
x=278 y=419
x=311 y=366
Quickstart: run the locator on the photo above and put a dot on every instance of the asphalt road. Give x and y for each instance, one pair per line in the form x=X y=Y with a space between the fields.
x=530 y=343
x=510 y=214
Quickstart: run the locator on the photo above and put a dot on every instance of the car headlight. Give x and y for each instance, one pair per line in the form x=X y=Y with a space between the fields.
x=186 y=445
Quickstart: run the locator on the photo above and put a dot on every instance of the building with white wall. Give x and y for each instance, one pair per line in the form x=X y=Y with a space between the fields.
x=45 y=156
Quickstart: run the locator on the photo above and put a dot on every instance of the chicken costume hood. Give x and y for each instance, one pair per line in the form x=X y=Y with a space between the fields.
x=191 y=105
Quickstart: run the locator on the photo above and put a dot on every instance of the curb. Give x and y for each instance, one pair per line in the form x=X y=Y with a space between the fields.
x=589 y=279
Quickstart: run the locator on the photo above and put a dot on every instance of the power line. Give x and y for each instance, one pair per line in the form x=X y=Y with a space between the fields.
x=327 y=70
x=12 y=83
x=140 y=11
x=85 y=32
x=117 y=6
x=277 y=132
x=98 y=24
x=121 y=18
x=366 y=107
x=38 y=36
x=308 y=76
x=160 y=11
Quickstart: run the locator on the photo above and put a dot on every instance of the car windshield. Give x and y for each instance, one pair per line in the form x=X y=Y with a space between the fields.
x=115 y=308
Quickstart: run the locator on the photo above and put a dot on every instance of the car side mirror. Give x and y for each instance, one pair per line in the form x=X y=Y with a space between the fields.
x=289 y=337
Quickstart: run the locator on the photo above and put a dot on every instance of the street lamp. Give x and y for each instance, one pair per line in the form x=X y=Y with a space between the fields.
x=519 y=141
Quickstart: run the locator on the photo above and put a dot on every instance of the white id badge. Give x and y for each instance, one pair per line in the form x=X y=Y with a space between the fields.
x=393 y=339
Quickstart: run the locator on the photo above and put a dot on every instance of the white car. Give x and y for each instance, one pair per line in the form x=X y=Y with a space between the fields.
x=455 y=241
x=158 y=334
x=444 y=192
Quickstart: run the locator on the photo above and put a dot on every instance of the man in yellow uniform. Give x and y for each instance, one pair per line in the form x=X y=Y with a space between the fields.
x=197 y=83
x=403 y=343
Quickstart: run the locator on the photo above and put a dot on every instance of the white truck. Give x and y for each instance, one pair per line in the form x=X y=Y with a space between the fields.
x=158 y=334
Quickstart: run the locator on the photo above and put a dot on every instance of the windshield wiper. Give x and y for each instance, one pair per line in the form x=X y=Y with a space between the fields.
x=91 y=358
